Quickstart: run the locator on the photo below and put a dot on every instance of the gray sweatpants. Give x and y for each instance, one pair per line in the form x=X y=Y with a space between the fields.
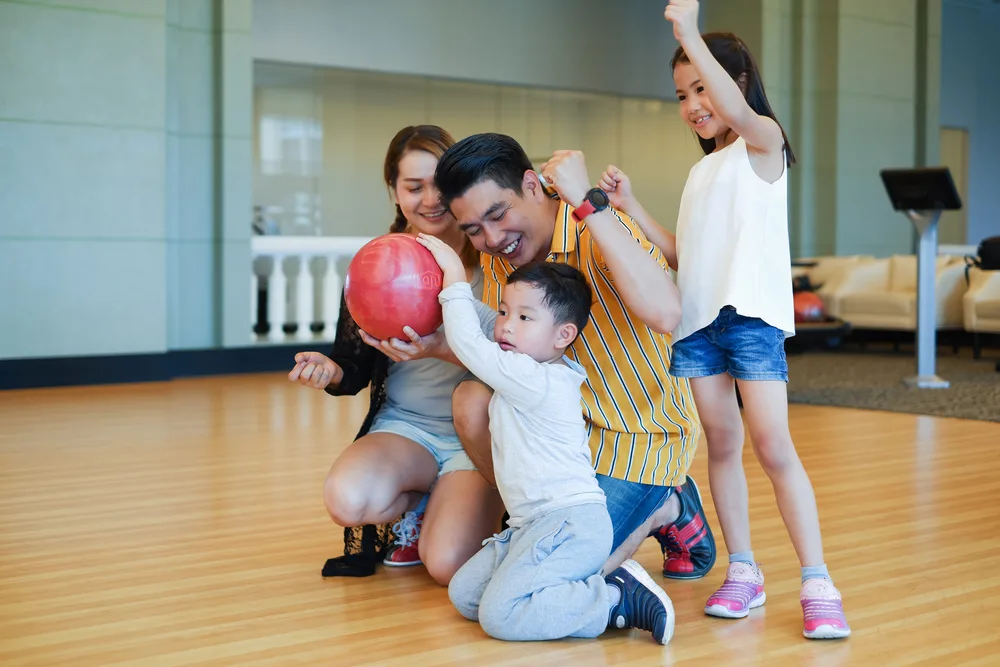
x=540 y=581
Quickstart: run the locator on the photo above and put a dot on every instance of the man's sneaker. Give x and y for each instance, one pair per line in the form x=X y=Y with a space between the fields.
x=643 y=604
x=404 y=550
x=823 y=610
x=688 y=545
x=742 y=591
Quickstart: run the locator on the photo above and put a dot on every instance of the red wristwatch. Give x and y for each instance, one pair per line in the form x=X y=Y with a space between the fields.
x=594 y=201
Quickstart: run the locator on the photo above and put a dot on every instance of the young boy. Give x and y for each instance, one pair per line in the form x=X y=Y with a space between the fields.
x=540 y=578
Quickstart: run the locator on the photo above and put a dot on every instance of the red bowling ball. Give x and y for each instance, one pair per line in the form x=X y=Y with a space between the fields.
x=808 y=307
x=393 y=282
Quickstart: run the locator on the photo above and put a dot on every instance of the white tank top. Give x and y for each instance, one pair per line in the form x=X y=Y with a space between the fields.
x=732 y=243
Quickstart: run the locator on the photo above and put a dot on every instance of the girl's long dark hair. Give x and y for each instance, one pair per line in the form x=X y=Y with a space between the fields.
x=736 y=59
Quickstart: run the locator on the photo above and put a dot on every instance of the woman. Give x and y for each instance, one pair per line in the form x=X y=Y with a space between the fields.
x=407 y=447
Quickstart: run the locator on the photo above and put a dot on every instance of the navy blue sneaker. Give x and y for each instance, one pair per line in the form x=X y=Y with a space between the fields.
x=643 y=604
x=688 y=544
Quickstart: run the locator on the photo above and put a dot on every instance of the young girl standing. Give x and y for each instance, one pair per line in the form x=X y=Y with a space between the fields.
x=735 y=283
x=734 y=278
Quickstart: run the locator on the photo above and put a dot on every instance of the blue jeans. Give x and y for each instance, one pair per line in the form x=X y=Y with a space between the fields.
x=748 y=348
x=630 y=505
x=446 y=450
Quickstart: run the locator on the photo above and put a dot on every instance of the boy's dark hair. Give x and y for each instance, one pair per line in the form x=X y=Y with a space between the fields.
x=734 y=56
x=477 y=158
x=567 y=294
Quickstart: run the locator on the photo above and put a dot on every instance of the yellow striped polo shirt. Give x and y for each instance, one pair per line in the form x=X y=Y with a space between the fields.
x=642 y=421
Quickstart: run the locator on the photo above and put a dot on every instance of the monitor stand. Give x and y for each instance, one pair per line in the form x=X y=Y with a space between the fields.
x=926 y=224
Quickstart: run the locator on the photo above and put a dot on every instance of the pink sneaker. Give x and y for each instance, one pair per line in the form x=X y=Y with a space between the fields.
x=823 y=610
x=742 y=591
x=405 y=550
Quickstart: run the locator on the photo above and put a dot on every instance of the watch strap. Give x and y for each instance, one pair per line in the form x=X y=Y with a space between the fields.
x=583 y=210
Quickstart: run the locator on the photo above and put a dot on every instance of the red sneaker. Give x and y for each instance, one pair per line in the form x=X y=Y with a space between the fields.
x=688 y=545
x=404 y=552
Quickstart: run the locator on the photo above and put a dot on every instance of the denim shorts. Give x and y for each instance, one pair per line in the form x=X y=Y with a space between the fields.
x=630 y=505
x=748 y=348
x=446 y=450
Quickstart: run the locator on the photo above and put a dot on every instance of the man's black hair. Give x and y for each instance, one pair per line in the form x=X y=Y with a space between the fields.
x=477 y=158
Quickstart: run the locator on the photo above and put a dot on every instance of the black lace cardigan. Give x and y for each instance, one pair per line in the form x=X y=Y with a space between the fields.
x=363 y=366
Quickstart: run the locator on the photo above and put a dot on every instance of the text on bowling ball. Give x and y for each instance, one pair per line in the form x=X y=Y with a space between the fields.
x=430 y=280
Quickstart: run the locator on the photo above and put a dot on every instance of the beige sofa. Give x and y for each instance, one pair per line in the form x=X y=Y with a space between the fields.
x=981 y=304
x=828 y=273
x=882 y=294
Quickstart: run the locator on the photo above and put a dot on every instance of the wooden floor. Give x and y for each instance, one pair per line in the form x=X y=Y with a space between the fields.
x=182 y=524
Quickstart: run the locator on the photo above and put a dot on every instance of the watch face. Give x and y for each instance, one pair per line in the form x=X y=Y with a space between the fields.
x=599 y=198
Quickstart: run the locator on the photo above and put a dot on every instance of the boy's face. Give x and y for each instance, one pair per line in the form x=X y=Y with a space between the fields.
x=525 y=324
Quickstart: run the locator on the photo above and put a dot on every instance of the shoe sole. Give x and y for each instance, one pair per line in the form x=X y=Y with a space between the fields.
x=827 y=632
x=719 y=611
x=406 y=564
x=643 y=577
x=686 y=575
x=667 y=574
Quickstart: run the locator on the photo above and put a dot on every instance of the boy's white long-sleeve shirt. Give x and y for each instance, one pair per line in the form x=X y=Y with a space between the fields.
x=541 y=458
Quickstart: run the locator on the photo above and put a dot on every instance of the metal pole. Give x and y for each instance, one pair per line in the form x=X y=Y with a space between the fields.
x=925 y=223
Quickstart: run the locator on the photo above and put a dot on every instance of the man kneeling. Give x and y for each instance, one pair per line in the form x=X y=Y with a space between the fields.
x=642 y=423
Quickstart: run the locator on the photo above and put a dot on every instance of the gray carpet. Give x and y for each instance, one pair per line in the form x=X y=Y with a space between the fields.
x=873 y=381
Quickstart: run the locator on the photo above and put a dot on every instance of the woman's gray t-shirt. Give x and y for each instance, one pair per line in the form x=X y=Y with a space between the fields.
x=419 y=392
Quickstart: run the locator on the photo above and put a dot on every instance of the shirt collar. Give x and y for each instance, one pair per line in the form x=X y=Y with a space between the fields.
x=564 y=232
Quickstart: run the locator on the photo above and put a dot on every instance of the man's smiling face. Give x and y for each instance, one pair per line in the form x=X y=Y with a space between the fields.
x=502 y=223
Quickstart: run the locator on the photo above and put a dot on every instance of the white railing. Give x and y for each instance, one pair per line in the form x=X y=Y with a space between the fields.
x=289 y=269
x=959 y=250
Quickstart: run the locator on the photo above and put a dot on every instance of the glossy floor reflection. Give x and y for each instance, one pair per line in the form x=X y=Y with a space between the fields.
x=182 y=524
